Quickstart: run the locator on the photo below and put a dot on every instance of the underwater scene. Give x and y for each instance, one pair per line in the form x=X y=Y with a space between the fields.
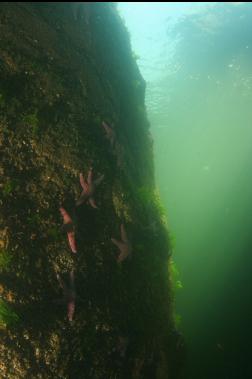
x=125 y=190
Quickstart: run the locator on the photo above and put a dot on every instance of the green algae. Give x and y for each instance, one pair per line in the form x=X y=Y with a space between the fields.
x=8 y=187
x=32 y=121
x=7 y=316
x=5 y=259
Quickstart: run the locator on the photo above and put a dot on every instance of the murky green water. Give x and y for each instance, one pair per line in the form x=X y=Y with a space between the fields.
x=197 y=61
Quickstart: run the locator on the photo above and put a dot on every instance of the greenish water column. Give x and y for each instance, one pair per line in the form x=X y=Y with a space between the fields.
x=197 y=59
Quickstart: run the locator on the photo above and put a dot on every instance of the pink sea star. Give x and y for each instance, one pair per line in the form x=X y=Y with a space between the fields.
x=69 y=295
x=88 y=189
x=124 y=245
x=68 y=226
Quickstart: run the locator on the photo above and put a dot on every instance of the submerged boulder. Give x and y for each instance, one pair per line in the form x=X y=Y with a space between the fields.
x=66 y=70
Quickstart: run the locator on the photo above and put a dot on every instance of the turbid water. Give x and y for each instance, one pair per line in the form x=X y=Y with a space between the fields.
x=197 y=61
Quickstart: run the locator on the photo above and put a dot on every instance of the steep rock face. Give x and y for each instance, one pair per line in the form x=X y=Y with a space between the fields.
x=65 y=69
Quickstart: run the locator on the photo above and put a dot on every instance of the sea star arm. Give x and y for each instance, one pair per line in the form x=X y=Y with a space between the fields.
x=118 y=243
x=89 y=188
x=110 y=134
x=90 y=177
x=72 y=280
x=124 y=245
x=82 y=199
x=71 y=296
x=72 y=241
x=70 y=309
x=122 y=256
x=68 y=223
x=61 y=283
x=66 y=218
x=92 y=202
x=83 y=183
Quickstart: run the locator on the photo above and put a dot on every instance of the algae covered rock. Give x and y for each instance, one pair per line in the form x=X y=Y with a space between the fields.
x=65 y=70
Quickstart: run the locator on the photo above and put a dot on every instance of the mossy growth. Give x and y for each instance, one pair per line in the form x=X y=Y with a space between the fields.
x=121 y=208
x=34 y=219
x=175 y=276
x=7 y=316
x=8 y=188
x=177 y=320
x=176 y=285
x=149 y=199
x=172 y=240
x=5 y=259
x=31 y=119
x=54 y=233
